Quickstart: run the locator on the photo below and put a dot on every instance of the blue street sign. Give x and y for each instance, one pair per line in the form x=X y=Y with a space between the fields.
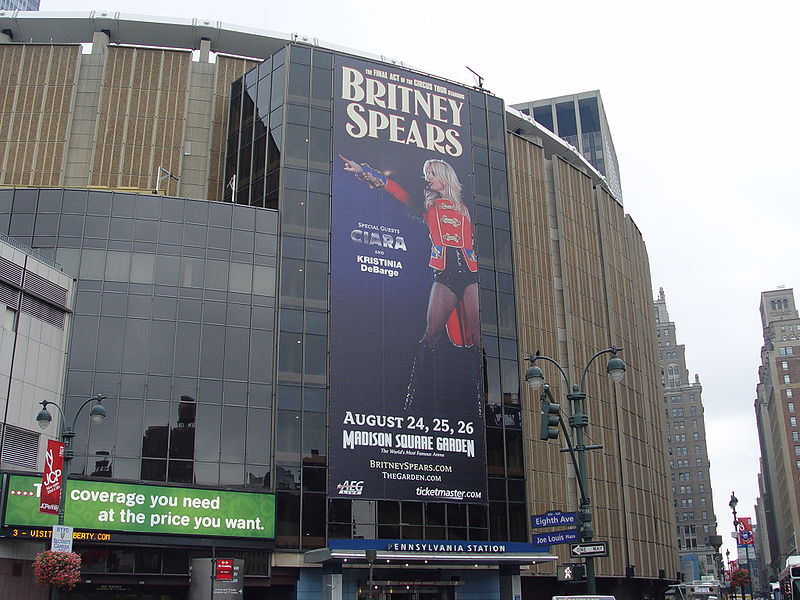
x=556 y=537
x=554 y=518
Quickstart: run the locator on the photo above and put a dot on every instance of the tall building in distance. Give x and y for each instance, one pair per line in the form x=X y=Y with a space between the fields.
x=688 y=454
x=19 y=4
x=778 y=432
x=580 y=120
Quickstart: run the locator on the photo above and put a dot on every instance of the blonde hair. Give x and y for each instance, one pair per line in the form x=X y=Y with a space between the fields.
x=452 y=186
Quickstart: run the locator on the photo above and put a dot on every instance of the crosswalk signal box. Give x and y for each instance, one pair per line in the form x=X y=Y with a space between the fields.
x=570 y=572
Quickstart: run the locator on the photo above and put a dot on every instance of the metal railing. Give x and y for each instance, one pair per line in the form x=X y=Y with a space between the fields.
x=30 y=252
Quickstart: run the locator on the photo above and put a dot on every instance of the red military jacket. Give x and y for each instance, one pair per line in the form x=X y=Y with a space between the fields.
x=447 y=228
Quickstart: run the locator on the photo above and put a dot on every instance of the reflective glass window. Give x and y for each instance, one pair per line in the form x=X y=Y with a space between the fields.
x=236 y=353
x=233 y=434
x=142 y=268
x=590 y=115
x=117 y=266
x=92 y=264
x=290 y=354
x=135 y=348
x=109 y=349
x=314 y=437
x=287 y=526
x=288 y=436
x=565 y=117
x=544 y=116
x=264 y=280
x=261 y=356
x=167 y=270
x=208 y=425
x=46 y=224
x=259 y=429
x=292 y=279
x=241 y=278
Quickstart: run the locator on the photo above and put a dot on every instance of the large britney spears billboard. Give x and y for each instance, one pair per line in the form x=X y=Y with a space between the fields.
x=406 y=399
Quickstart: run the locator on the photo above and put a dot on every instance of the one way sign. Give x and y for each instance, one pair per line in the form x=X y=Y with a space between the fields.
x=583 y=549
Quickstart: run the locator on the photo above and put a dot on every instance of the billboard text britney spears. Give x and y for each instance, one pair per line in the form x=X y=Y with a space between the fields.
x=379 y=109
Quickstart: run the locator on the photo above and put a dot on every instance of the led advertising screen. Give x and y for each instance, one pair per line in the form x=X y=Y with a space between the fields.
x=127 y=507
x=406 y=397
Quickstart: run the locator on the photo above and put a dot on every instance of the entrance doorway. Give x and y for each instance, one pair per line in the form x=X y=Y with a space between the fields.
x=408 y=590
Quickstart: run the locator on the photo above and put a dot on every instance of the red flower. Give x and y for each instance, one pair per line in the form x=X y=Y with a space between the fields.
x=62 y=569
x=740 y=578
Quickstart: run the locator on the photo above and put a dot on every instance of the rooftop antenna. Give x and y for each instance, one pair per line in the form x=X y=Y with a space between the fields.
x=480 y=79
x=162 y=175
x=232 y=186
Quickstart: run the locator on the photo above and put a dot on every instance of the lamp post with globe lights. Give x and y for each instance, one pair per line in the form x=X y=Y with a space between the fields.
x=578 y=420
x=44 y=418
x=741 y=535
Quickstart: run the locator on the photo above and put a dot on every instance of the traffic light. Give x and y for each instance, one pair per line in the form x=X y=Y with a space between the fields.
x=570 y=572
x=550 y=416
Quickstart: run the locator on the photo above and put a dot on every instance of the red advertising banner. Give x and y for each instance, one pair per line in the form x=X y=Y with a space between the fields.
x=732 y=566
x=744 y=531
x=50 y=493
x=224 y=569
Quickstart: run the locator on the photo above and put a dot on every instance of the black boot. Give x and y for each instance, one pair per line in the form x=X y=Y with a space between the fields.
x=422 y=362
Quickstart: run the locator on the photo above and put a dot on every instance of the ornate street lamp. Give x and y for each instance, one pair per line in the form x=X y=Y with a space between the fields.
x=44 y=418
x=734 y=501
x=578 y=421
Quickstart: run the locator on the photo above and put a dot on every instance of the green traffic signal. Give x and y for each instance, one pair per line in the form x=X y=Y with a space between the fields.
x=550 y=416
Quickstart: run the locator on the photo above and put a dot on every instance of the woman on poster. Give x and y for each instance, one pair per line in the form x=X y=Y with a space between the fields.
x=453 y=301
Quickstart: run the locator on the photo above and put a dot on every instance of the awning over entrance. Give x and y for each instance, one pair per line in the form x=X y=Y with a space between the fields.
x=322 y=555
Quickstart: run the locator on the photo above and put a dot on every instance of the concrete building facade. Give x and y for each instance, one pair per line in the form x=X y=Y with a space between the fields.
x=690 y=468
x=36 y=299
x=778 y=432
x=581 y=120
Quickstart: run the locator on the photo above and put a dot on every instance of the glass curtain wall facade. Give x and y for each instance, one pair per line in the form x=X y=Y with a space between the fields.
x=174 y=322
x=286 y=111
x=580 y=120
x=562 y=119
x=19 y=4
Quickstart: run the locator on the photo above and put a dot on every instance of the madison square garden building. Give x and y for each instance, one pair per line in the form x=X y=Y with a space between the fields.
x=307 y=282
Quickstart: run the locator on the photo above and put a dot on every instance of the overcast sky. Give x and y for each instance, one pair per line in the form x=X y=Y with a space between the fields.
x=702 y=100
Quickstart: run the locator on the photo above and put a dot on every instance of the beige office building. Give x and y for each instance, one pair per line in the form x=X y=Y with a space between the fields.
x=778 y=431
x=696 y=523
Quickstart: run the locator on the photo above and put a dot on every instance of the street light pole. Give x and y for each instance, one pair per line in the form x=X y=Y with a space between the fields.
x=715 y=541
x=733 y=503
x=44 y=418
x=730 y=573
x=579 y=421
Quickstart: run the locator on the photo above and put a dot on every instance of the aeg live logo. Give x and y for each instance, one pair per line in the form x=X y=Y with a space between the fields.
x=350 y=488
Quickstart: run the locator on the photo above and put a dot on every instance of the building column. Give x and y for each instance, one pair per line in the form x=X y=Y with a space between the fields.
x=332 y=580
x=205 y=50
x=510 y=584
x=100 y=41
